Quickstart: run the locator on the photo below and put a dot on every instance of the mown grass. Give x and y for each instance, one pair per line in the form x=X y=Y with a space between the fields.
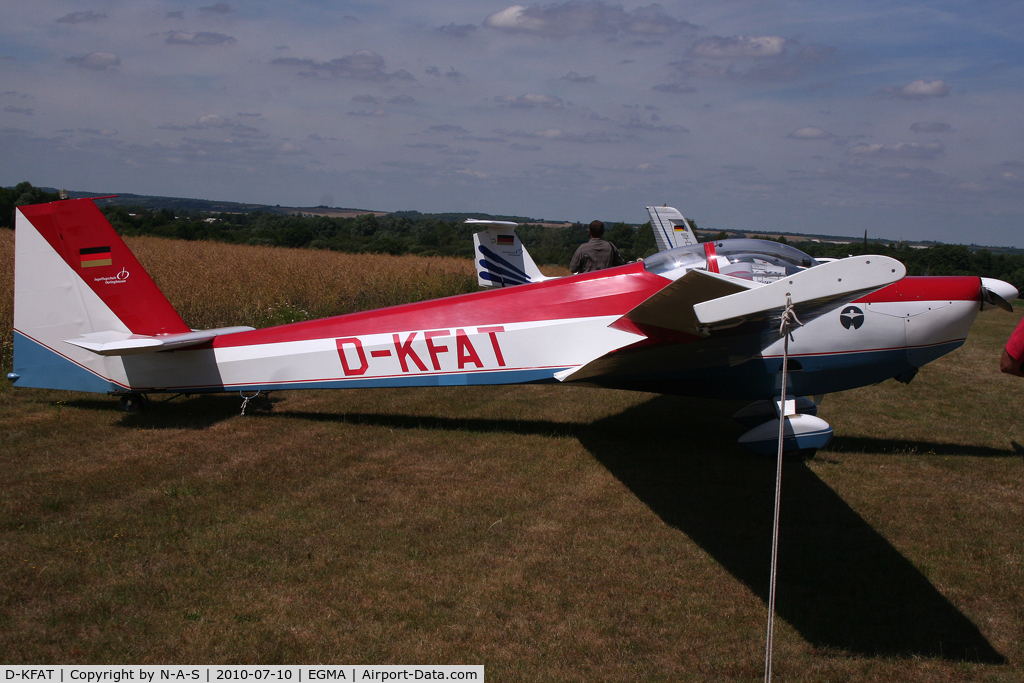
x=549 y=533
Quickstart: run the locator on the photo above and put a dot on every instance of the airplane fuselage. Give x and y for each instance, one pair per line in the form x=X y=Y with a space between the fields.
x=529 y=333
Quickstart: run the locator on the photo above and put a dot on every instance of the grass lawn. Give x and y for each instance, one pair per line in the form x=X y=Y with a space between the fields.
x=550 y=533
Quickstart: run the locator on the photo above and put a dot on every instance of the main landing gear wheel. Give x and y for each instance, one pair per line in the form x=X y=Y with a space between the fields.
x=132 y=403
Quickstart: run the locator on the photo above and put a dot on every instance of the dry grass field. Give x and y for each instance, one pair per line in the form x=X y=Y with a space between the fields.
x=549 y=533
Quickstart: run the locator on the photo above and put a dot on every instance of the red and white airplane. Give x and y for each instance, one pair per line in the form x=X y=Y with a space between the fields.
x=698 y=319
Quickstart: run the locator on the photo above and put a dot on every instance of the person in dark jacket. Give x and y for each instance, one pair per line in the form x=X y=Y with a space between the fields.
x=596 y=254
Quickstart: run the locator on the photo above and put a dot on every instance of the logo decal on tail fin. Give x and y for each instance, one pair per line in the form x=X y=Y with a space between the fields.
x=497 y=269
x=118 y=279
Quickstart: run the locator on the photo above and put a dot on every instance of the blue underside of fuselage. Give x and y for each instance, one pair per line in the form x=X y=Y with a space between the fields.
x=39 y=367
x=456 y=380
x=760 y=378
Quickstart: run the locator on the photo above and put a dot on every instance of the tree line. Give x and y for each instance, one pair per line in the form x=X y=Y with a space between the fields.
x=448 y=235
x=21 y=194
x=422 y=234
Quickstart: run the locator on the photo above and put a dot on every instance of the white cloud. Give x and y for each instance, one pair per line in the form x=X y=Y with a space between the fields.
x=918 y=89
x=675 y=88
x=530 y=100
x=643 y=169
x=218 y=122
x=361 y=65
x=458 y=31
x=585 y=17
x=635 y=123
x=901 y=150
x=219 y=8
x=375 y=113
x=199 y=38
x=593 y=136
x=717 y=47
x=100 y=61
x=810 y=133
x=79 y=17
x=574 y=77
x=933 y=127
x=213 y=121
x=514 y=18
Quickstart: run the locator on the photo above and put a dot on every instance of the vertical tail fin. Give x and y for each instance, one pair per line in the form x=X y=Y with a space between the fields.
x=671 y=230
x=501 y=259
x=74 y=277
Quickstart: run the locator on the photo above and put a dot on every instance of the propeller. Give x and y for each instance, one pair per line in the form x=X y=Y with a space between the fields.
x=997 y=293
x=990 y=297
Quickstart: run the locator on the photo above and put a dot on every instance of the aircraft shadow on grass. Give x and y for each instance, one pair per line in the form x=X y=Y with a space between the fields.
x=842 y=585
x=170 y=412
x=856 y=444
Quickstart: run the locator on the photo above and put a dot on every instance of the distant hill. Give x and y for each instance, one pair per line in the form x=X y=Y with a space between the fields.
x=459 y=217
x=153 y=202
x=206 y=205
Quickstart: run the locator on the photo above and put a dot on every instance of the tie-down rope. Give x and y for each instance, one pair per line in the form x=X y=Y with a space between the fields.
x=789 y=319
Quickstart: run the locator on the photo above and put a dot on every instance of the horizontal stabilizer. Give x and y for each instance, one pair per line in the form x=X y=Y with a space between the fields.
x=809 y=289
x=125 y=344
x=478 y=223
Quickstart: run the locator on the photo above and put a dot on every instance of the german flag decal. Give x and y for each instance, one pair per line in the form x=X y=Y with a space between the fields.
x=95 y=256
x=506 y=240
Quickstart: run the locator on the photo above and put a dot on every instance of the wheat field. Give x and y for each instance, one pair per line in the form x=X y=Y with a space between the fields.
x=220 y=285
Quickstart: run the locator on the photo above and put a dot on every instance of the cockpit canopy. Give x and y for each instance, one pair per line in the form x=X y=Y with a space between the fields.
x=754 y=260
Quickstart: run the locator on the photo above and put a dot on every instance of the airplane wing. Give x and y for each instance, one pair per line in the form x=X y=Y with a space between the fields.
x=702 y=304
x=811 y=291
x=671 y=230
x=672 y=308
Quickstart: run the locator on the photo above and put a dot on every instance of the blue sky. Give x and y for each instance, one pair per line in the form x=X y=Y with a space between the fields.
x=900 y=118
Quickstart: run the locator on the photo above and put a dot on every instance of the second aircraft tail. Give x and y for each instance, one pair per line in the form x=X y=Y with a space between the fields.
x=500 y=257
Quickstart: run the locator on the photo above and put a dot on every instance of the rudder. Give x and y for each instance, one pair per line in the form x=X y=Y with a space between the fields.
x=501 y=259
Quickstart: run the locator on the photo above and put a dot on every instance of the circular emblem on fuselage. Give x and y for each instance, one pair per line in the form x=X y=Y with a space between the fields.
x=852 y=317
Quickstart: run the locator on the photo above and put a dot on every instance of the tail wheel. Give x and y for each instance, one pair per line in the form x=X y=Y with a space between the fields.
x=133 y=403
